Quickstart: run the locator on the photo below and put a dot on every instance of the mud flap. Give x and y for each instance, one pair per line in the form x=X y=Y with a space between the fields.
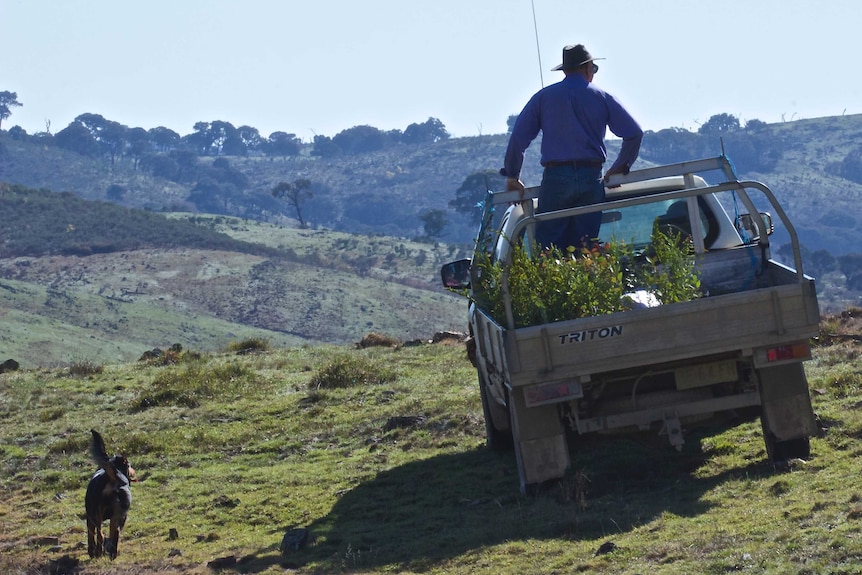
x=540 y=441
x=786 y=403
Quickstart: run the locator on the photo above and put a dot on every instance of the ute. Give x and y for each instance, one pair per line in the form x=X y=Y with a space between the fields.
x=737 y=349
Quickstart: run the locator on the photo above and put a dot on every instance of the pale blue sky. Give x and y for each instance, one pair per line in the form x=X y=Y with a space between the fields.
x=321 y=66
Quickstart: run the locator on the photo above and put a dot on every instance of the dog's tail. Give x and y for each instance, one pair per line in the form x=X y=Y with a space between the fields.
x=100 y=455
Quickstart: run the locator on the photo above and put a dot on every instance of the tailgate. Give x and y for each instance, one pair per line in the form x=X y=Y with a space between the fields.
x=707 y=326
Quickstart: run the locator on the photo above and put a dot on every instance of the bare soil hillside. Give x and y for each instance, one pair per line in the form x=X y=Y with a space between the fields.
x=161 y=297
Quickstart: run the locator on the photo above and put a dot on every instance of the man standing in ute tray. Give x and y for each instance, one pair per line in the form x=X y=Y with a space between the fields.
x=573 y=115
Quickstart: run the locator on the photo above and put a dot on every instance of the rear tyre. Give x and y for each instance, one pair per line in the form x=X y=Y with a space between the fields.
x=495 y=439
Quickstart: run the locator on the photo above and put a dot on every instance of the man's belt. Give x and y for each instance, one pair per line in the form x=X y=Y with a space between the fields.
x=575 y=163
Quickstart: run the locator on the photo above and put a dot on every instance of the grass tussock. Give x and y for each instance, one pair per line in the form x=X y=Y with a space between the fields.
x=349 y=371
x=85 y=368
x=173 y=355
x=191 y=384
x=250 y=345
x=377 y=340
x=842 y=380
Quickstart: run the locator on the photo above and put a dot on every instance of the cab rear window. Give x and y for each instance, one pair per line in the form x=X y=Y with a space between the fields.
x=633 y=225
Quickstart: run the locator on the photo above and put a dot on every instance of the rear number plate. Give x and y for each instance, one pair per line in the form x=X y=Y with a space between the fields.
x=706 y=374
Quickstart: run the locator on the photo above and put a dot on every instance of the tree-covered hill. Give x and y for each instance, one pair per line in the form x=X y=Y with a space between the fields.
x=364 y=180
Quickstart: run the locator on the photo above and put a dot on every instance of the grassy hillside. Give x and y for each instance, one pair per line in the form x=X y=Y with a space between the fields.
x=112 y=307
x=82 y=280
x=378 y=453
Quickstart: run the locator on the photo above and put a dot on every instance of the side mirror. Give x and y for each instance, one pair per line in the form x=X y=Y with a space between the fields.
x=767 y=219
x=456 y=275
x=746 y=223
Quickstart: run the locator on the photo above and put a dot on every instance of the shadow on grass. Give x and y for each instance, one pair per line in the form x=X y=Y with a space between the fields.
x=419 y=514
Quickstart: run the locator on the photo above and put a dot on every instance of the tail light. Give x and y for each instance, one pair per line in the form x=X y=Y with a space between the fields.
x=767 y=356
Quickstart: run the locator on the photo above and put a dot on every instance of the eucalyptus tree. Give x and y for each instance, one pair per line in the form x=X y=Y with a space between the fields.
x=77 y=138
x=428 y=132
x=110 y=135
x=138 y=144
x=470 y=196
x=250 y=137
x=164 y=139
x=282 y=144
x=8 y=100
x=295 y=193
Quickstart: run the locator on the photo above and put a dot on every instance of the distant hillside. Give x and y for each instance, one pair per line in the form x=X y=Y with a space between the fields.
x=47 y=223
x=83 y=280
x=386 y=191
x=40 y=166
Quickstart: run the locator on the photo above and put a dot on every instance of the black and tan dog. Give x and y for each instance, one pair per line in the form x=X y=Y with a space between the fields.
x=108 y=498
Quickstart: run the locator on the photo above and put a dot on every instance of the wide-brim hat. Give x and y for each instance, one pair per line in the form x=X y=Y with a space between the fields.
x=575 y=56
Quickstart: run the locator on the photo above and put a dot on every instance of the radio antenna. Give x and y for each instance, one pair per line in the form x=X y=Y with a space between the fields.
x=538 y=52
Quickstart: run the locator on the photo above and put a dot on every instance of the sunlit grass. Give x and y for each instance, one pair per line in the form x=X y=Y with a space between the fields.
x=385 y=465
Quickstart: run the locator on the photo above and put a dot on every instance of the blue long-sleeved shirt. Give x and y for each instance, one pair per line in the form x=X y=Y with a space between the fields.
x=572 y=115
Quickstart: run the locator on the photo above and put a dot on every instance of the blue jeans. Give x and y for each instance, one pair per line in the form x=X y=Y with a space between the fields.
x=568 y=187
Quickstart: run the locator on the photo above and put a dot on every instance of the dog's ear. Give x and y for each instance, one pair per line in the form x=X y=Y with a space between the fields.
x=131 y=474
